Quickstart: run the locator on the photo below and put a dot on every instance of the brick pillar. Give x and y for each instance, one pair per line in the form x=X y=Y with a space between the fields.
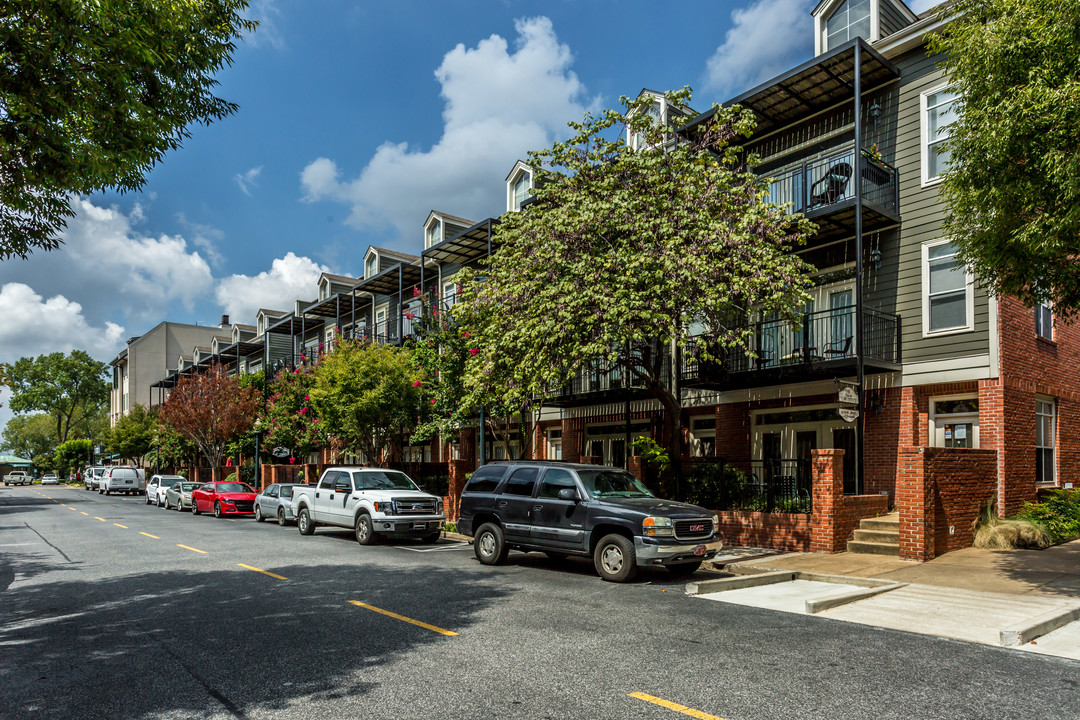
x=637 y=467
x=573 y=438
x=828 y=499
x=915 y=502
x=311 y=473
x=992 y=431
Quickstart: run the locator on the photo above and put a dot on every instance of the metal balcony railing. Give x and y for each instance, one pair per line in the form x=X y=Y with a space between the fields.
x=817 y=184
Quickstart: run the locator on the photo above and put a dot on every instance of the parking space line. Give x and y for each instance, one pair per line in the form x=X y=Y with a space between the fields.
x=264 y=572
x=403 y=618
x=149 y=535
x=119 y=525
x=675 y=706
x=202 y=552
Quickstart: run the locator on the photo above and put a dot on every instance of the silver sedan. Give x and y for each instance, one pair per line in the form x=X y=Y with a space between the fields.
x=179 y=495
x=275 y=501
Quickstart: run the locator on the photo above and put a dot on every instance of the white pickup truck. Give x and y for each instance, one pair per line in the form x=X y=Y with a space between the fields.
x=371 y=501
x=18 y=477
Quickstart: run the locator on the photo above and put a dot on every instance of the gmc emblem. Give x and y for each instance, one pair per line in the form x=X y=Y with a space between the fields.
x=697 y=528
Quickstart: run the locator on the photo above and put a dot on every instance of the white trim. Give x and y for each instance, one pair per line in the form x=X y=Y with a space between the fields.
x=995 y=339
x=932 y=418
x=440 y=235
x=924 y=138
x=371 y=254
x=1053 y=446
x=942 y=371
x=969 y=296
x=875 y=20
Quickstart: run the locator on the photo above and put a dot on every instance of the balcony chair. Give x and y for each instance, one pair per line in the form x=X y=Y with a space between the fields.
x=837 y=349
x=832 y=186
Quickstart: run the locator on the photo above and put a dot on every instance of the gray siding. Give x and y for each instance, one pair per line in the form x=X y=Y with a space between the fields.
x=891 y=18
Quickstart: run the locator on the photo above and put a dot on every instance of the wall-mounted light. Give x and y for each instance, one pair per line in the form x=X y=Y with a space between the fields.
x=874 y=111
x=875 y=258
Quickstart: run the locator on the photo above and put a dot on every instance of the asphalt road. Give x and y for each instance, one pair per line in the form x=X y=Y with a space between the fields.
x=104 y=613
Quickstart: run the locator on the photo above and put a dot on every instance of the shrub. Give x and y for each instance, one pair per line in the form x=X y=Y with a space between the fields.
x=247 y=474
x=450 y=527
x=1058 y=512
x=995 y=533
x=231 y=477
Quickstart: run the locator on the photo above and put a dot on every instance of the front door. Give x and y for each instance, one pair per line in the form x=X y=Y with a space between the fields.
x=844 y=439
x=558 y=523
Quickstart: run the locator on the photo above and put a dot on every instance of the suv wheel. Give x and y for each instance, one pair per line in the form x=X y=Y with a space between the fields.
x=365 y=533
x=615 y=559
x=303 y=523
x=489 y=545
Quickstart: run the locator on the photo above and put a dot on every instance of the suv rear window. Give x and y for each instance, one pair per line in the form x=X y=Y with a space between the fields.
x=521 y=482
x=486 y=479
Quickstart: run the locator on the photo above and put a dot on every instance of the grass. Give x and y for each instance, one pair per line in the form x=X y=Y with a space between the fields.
x=1054 y=519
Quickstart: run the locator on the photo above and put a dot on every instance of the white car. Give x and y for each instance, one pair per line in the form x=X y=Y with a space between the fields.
x=157 y=486
x=50 y=479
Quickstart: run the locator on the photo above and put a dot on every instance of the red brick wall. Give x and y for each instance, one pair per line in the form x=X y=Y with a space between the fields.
x=836 y=516
x=882 y=438
x=779 y=531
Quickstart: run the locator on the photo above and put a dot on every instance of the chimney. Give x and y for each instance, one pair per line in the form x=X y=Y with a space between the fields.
x=224 y=321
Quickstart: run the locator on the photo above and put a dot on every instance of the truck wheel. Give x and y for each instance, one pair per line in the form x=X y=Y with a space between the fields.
x=489 y=545
x=304 y=523
x=258 y=514
x=365 y=533
x=684 y=569
x=615 y=559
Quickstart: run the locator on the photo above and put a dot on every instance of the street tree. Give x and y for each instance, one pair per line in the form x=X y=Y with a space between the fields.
x=30 y=436
x=95 y=94
x=210 y=409
x=65 y=387
x=366 y=395
x=170 y=448
x=624 y=252
x=133 y=435
x=72 y=455
x=1012 y=190
x=290 y=420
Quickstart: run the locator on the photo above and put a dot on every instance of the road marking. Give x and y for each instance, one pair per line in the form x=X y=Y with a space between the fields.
x=119 y=525
x=149 y=535
x=403 y=618
x=675 y=706
x=264 y=572
x=438 y=548
x=64 y=504
x=85 y=513
x=203 y=552
x=101 y=519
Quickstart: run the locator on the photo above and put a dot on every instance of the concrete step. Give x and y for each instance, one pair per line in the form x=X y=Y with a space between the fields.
x=890 y=523
x=886 y=537
x=873 y=548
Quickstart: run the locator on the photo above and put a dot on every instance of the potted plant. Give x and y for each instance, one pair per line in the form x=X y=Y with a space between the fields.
x=875 y=170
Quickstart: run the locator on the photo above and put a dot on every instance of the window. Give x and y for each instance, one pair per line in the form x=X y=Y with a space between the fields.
x=449 y=294
x=948 y=291
x=371 y=265
x=955 y=422
x=434 y=234
x=703 y=436
x=486 y=479
x=1044 y=320
x=655 y=114
x=521 y=482
x=938 y=112
x=328 y=480
x=851 y=20
x=1044 y=440
x=554 y=444
x=521 y=189
x=272 y=491
x=344 y=483
x=554 y=481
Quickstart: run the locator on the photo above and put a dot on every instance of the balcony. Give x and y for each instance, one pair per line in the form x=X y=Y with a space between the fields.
x=821 y=346
x=388 y=331
x=602 y=381
x=823 y=190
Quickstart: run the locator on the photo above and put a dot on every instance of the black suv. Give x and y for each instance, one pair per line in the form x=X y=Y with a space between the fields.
x=568 y=509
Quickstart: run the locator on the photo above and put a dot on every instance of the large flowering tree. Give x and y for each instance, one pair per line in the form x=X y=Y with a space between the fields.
x=290 y=420
x=211 y=409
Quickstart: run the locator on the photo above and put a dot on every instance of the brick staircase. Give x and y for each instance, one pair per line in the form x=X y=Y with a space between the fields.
x=878 y=536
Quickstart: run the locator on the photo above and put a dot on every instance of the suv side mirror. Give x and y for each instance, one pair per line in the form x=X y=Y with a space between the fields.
x=569 y=494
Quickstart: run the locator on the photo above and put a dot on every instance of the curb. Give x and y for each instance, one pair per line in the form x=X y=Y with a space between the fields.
x=738 y=582
x=830 y=601
x=458 y=537
x=1038 y=626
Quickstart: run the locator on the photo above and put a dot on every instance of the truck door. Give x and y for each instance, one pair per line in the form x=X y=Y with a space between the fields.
x=514 y=504
x=324 y=497
x=343 y=502
x=558 y=523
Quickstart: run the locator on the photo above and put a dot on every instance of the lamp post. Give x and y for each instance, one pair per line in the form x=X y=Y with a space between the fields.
x=258 y=452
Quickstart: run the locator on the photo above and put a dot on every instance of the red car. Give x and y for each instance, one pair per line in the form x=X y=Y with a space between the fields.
x=224 y=498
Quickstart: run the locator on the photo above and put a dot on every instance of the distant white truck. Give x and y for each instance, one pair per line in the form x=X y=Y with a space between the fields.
x=373 y=502
x=18 y=477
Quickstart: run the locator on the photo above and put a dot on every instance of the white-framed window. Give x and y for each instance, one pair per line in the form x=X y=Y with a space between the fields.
x=324 y=290
x=371 y=265
x=948 y=291
x=850 y=20
x=655 y=113
x=554 y=444
x=330 y=336
x=1044 y=320
x=434 y=234
x=954 y=421
x=938 y=113
x=521 y=188
x=703 y=436
x=449 y=293
x=1045 y=431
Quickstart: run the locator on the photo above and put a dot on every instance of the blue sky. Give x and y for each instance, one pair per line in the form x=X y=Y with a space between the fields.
x=355 y=120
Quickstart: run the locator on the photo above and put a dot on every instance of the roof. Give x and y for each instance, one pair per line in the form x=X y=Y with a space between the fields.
x=274 y=313
x=467 y=246
x=396 y=254
x=457 y=220
x=249 y=328
x=340 y=278
x=14 y=460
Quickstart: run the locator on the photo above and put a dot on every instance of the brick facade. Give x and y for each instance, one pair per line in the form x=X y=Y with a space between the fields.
x=836 y=515
x=779 y=531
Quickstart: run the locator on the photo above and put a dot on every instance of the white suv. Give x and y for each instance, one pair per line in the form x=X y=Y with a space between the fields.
x=127 y=480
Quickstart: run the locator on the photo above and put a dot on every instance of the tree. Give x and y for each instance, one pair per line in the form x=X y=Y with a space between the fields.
x=94 y=94
x=72 y=455
x=169 y=447
x=64 y=386
x=1012 y=191
x=366 y=394
x=290 y=420
x=623 y=252
x=30 y=436
x=133 y=435
x=210 y=409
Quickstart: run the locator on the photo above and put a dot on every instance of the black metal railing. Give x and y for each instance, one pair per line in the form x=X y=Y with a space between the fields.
x=602 y=375
x=816 y=184
x=814 y=337
x=783 y=486
x=390 y=330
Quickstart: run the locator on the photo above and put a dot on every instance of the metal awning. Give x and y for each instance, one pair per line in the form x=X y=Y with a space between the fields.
x=391 y=280
x=339 y=305
x=816 y=85
x=465 y=247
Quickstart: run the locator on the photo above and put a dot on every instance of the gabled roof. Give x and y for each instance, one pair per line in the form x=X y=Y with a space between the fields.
x=464 y=222
x=518 y=166
x=340 y=278
x=395 y=254
x=243 y=327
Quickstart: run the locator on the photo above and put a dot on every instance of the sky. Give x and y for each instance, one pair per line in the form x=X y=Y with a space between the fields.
x=356 y=120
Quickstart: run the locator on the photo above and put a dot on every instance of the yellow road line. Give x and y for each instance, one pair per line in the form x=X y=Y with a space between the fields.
x=149 y=535
x=101 y=519
x=264 y=572
x=675 y=706
x=202 y=552
x=119 y=525
x=85 y=513
x=403 y=618
x=64 y=504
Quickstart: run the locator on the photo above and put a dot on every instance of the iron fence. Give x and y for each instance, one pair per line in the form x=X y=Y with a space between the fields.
x=781 y=486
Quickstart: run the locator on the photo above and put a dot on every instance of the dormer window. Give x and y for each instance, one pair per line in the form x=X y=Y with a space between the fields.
x=324 y=290
x=655 y=114
x=521 y=189
x=371 y=265
x=434 y=234
x=850 y=20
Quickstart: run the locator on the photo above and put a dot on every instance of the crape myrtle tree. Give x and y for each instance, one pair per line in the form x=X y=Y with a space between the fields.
x=1012 y=191
x=170 y=448
x=290 y=420
x=94 y=94
x=211 y=409
x=66 y=387
x=365 y=395
x=622 y=251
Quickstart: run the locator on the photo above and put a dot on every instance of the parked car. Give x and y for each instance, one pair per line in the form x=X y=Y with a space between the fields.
x=593 y=511
x=223 y=498
x=179 y=495
x=18 y=477
x=275 y=501
x=374 y=502
x=50 y=479
x=92 y=478
x=127 y=480
x=156 y=487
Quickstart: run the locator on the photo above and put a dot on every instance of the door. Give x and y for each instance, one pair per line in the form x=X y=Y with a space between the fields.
x=770 y=452
x=558 y=524
x=268 y=505
x=844 y=439
x=343 y=502
x=805 y=444
x=324 y=498
x=515 y=502
x=841 y=341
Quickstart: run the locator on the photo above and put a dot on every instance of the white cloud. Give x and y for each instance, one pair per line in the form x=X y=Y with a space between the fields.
x=34 y=325
x=766 y=38
x=205 y=237
x=288 y=279
x=266 y=12
x=498 y=105
x=248 y=179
